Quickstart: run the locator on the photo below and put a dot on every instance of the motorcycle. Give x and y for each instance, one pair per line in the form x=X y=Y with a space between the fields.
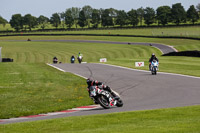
x=154 y=67
x=72 y=60
x=55 y=60
x=80 y=59
x=104 y=98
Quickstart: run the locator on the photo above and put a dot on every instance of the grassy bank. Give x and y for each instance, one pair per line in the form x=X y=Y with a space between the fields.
x=175 y=120
x=33 y=88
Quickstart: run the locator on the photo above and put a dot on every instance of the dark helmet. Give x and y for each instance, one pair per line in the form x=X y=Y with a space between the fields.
x=89 y=81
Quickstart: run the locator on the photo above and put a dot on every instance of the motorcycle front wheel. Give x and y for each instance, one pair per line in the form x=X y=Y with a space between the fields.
x=103 y=101
x=153 y=71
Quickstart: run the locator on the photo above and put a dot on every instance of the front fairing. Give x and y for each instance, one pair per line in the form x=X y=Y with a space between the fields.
x=92 y=90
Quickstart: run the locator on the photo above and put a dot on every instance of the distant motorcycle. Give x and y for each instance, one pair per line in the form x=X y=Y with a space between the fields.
x=72 y=59
x=55 y=60
x=104 y=98
x=154 y=67
x=80 y=59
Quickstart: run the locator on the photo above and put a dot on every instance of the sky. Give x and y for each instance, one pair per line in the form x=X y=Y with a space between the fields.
x=48 y=7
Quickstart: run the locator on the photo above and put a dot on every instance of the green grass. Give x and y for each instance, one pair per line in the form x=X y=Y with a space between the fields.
x=34 y=88
x=175 y=120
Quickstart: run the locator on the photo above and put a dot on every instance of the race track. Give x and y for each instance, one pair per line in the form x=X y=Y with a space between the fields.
x=139 y=89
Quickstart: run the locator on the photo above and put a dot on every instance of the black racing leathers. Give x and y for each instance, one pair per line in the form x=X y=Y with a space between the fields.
x=153 y=58
x=99 y=85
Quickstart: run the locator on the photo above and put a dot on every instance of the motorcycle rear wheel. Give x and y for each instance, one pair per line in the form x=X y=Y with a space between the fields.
x=119 y=103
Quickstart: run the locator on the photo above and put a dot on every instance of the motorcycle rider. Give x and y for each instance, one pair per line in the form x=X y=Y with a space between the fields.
x=99 y=85
x=55 y=60
x=153 y=57
x=72 y=59
x=80 y=56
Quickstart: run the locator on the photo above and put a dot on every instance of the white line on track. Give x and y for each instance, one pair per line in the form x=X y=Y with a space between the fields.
x=56 y=67
x=64 y=70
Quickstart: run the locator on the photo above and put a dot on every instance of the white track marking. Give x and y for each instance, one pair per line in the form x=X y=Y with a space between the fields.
x=56 y=67
x=65 y=71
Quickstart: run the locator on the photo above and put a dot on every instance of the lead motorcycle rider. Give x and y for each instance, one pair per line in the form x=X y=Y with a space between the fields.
x=101 y=86
x=153 y=57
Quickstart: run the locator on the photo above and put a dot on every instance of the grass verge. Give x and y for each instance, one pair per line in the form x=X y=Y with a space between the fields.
x=174 y=120
x=34 y=88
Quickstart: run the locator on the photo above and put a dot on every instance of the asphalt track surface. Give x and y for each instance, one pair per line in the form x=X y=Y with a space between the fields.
x=163 y=48
x=139 y=89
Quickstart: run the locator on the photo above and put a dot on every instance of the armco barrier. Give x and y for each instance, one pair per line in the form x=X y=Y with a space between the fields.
x=184 y=53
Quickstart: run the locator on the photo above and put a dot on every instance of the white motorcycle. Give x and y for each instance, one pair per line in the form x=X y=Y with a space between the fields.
x=80 y=59
x=154 y=67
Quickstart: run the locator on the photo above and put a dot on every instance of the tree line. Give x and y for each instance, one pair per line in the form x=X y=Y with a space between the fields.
x=86 y=16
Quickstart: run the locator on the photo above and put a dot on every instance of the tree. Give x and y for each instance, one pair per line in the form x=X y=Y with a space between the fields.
x=88 y=14
x=63 y=17
x=16 y=22
x=192 y=14
x=55 y=20
x=133 y=17
x=101 y=10
x=121 y=18
x=106 y=18
x=198 y=7
x=140 y=12
x=43 y=21
x=163 y=15
x=95 y=18
x=3 y=21
x=29 y=20
x=75 y=14
x=82 y=19
x=149 y=15
x=69 y=20
x=178 y=13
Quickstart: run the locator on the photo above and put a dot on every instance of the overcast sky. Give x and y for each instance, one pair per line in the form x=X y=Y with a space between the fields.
x=48 y=7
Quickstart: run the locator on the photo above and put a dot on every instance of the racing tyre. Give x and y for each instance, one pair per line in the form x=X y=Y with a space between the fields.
x=119 y=103
x=103 y=101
